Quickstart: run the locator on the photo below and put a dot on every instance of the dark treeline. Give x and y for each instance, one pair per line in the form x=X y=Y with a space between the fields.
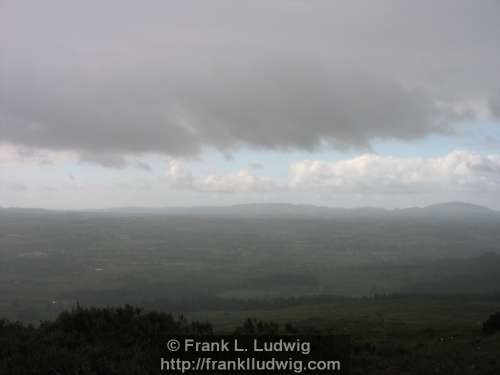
x=204 y=302
x=199 y=302
x=93 y=341
x=127 y=340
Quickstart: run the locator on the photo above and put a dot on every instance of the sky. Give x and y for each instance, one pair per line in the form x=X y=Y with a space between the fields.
x=345 y=103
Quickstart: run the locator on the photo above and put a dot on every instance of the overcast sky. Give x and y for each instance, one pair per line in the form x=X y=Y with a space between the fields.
x=161 y=103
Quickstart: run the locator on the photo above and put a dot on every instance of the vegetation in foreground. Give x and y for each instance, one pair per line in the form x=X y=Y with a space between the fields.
x=126 y=340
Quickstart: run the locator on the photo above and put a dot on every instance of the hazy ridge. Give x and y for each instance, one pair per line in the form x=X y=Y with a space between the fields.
x=451 y=209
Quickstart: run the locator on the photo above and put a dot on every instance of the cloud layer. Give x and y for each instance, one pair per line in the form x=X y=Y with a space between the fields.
x=110 y=79
x=368 y=174
x=10 y=154
x=180 y=177
x=373 y=174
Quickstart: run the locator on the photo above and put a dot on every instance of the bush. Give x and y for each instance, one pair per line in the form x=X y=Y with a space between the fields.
x=92 y=341
x=492 y=325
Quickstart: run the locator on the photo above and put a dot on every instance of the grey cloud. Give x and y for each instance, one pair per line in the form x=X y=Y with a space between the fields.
x=303 y=106
x=16 y=187
x=144 y=166
x=104 y=160
x=495 y=105
x=490 y=142
x=108 y=80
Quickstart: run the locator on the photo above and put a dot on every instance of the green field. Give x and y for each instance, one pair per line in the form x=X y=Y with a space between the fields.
x=411 y=289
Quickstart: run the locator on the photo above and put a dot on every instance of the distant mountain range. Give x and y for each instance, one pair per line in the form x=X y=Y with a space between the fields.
x=287 y=210
x=303 y=210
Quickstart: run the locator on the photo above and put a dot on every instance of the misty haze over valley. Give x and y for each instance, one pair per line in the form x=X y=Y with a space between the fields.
x=257 y=168
x=192 y=259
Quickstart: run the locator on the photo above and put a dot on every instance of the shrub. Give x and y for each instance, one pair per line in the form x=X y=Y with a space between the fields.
x=492 y=325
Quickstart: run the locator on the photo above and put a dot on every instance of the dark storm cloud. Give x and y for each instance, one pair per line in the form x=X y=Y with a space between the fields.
x=128 y=77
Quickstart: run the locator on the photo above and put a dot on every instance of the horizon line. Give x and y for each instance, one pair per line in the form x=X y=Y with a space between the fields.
x=138 y=207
